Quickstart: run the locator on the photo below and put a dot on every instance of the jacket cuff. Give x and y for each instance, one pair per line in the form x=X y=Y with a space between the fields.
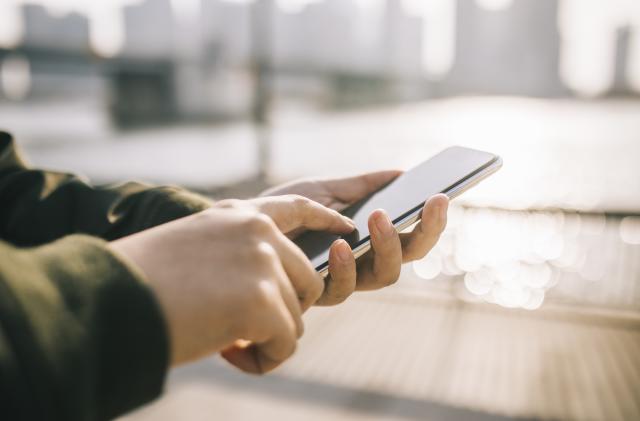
x=142 y=207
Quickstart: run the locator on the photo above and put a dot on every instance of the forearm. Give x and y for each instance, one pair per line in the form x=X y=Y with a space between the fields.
x=81 y=336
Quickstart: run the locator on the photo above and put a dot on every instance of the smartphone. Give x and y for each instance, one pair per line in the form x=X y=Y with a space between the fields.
x=452 y=172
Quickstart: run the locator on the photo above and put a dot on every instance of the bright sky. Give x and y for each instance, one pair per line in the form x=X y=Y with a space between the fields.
x=587 y=30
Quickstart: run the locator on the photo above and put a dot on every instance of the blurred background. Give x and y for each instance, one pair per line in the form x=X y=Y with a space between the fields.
x=529 y=307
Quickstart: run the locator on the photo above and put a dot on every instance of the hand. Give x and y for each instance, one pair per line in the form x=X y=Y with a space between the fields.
x=230 y=281
x=381 y=266
x=293 y=213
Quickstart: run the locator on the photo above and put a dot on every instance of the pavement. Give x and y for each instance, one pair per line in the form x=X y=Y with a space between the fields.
x=393 y=356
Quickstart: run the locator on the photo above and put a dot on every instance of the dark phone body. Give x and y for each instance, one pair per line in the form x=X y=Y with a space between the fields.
x=452 y=171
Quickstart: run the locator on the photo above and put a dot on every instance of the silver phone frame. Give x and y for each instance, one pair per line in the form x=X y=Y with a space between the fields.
x=414 y=217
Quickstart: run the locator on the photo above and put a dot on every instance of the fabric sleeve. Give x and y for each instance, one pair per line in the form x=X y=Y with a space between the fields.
x=37 y=206
x=81 y=335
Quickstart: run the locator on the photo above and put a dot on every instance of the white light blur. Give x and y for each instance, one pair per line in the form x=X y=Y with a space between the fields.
x=588 y=30
x=439 y=34
x=186 y=10
x=106 y=31
x=594 y=224
x=11 y=24
x=479 y=283
x=293 y=6
x=630 y=230
x=536 y=298
x=106 y=27
x=429 y=267
x=495 y=5
x=633 y=72
x=572 y=257
x=513 y=258
x=15 y=77
x=592 y=268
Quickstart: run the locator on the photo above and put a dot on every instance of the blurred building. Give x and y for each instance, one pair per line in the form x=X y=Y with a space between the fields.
x=320 y=38
x=621 y=84
x=69 y=33
x=330 y=52
x=514 y=51
x=56 y=54
x=401 y=42
x=149 y=30
x=227 y=27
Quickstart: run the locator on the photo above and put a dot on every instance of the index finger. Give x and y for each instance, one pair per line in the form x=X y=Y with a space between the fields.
x=292 y=212
x=306 y=282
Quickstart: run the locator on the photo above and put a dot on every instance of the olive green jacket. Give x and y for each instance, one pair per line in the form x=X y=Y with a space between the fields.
x=81 y=336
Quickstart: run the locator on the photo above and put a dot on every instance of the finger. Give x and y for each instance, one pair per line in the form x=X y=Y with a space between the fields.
x=290 y=297
x=278 y=327
x=417 y=243
x=382 y=266
x=342 y=270
x=305 y=280
x=242 y=355
x=291 y=212
x=282 y=343
x=351 y=189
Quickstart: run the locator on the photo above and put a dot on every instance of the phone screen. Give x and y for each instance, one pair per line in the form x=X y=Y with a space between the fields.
x=402 y=197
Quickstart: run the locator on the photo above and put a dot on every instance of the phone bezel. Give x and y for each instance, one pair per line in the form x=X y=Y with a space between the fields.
x=412 y=216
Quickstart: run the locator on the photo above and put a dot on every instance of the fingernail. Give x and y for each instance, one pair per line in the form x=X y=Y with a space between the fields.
x=344 y=252
x=350 y=222
x=383 y=224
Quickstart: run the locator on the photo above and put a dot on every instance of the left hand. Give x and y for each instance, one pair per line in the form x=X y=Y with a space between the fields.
x=379 y=267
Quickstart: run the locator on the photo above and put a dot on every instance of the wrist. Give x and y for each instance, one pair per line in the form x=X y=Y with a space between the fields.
x=132 y=254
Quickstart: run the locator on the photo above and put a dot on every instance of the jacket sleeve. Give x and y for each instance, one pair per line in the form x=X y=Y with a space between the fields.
x=81 y=337
x=37 y=207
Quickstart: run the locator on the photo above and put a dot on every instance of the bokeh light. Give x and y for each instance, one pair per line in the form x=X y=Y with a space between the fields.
x=512 y=258
x=15 y=77
x=630 y=230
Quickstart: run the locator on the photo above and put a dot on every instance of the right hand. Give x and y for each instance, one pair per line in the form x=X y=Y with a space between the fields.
x=229 y=280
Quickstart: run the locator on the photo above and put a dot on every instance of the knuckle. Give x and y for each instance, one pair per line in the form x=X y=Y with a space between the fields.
x=228 y=204
x=340 y=297
x=265 y=256
x=390 y=279
x=261 y=295
x=267 y=291
x=300 y=201
x=259 y=224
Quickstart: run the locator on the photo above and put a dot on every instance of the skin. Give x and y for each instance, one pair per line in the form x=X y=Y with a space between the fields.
x=231 y=280
x=380 y=267
x=228 y=279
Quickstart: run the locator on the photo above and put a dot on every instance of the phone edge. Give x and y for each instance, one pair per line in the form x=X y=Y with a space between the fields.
x=411 y=219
